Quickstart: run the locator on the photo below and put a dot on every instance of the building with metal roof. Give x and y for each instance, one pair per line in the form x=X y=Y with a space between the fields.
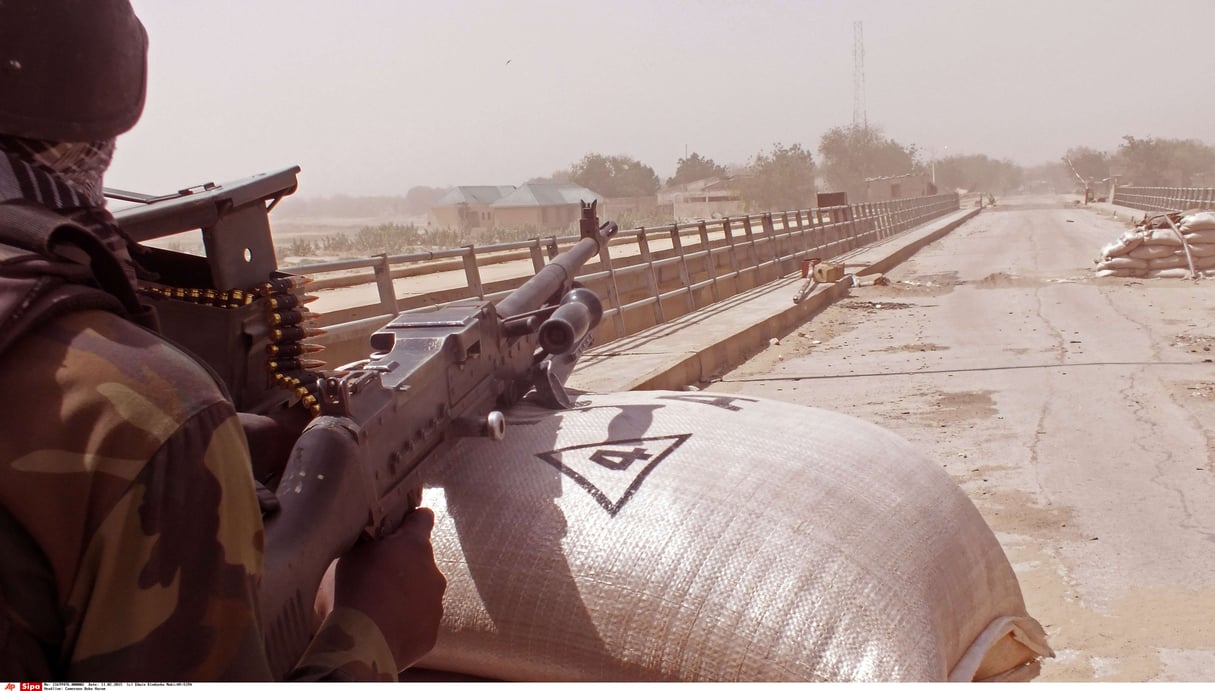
x=547 y=194
x=475 y=194
x=550 y=206
x=467 y=207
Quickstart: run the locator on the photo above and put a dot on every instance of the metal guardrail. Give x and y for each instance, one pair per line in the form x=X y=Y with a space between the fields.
x=1165 y=198
x=694 y=264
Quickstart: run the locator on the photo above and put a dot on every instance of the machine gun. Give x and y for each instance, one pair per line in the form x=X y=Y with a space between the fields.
x=434 y=377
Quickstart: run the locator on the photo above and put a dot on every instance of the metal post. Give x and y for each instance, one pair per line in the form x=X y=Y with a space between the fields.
x=472 y=273
x=850 y=214
x=383 y=284
x=677 y=244
x=770 y=237
x=643 y=247
x=750 y=233
x=802 y=234
x=605 y=258
x=733 y=253
x=537 y=255
x=710 y=262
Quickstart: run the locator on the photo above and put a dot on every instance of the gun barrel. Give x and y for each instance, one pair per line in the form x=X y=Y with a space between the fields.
x=578 y=313
x=557 y=276
x=554 y=278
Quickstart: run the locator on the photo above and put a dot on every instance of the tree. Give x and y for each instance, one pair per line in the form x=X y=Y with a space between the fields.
x=562 y=175
x=1087 y=163
x=1164 y=162
x=853 y=154
x=1192 y=162
x=780 y=181
x=694 y=168
x=615 y=176
x=1143 y=161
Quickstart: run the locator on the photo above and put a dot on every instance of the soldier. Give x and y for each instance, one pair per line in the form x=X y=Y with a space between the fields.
x=130 y=532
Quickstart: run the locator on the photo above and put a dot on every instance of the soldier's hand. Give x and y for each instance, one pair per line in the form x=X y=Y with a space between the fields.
x=395 y=581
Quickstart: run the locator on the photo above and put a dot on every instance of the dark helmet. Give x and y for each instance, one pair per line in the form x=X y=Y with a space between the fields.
x=71 y=70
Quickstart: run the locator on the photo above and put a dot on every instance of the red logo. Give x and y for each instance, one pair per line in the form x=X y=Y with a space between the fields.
x=10 y=686
x=30 y=686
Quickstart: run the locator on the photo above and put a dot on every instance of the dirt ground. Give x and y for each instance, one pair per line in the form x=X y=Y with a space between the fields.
x=1077 y=413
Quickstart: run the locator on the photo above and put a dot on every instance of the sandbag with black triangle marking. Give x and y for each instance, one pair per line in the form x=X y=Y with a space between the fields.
x=698 y=536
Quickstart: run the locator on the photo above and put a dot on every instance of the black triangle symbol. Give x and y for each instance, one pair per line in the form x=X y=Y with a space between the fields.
x=612 y=471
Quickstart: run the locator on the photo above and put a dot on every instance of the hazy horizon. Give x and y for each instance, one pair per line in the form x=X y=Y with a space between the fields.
x=379 y=96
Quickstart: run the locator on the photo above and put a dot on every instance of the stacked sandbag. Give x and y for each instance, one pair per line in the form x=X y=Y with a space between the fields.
x=1163 y=246
x=675 y=536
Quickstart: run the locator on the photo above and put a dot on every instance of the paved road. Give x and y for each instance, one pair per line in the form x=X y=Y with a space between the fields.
x=1078 y=414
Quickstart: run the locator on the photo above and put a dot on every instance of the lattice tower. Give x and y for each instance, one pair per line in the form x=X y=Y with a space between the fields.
x=859 y=116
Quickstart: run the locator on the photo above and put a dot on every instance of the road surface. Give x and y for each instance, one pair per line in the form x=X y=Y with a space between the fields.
x=1077 y=413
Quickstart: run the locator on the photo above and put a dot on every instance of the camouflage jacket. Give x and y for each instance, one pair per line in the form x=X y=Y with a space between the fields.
x=130 y=532
x=129 y=527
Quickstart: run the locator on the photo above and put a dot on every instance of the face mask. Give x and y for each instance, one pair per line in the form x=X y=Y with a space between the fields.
x=80 y=165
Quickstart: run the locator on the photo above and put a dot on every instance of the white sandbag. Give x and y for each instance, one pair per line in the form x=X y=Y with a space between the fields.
x=1152 y=251
x=1132 y=239
x=1121 y=273
x=1202 y=249
x=1168 y=273
x=1122 y=263
x=1163 y=236
x=1178 y=260
x=1204 y=220
x=1199 y=236
x=1125 y=243
x=663 y=536
x=1174 y=261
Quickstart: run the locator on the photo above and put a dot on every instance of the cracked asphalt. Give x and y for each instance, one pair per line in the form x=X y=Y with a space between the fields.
x=1077 y=413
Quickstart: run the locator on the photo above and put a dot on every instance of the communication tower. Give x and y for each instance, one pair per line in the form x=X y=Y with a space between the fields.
x=859 y=117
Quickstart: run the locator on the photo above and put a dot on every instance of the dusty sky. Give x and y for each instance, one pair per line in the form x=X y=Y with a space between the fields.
x=376 y=96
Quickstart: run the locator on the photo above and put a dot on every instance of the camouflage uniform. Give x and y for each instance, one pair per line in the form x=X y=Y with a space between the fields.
x=129 y=526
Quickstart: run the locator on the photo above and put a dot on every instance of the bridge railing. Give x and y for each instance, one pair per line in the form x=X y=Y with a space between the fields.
x=646 y=277
x=1165 y=198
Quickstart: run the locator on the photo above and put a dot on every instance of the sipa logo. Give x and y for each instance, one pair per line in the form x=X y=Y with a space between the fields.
x=31 y=686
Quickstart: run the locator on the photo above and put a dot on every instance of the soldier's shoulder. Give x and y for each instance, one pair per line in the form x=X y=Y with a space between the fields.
x=91 y=369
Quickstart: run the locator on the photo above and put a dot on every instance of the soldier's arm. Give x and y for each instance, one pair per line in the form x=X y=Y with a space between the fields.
x=175 y=569
x=167 y=586
x=348 y=647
